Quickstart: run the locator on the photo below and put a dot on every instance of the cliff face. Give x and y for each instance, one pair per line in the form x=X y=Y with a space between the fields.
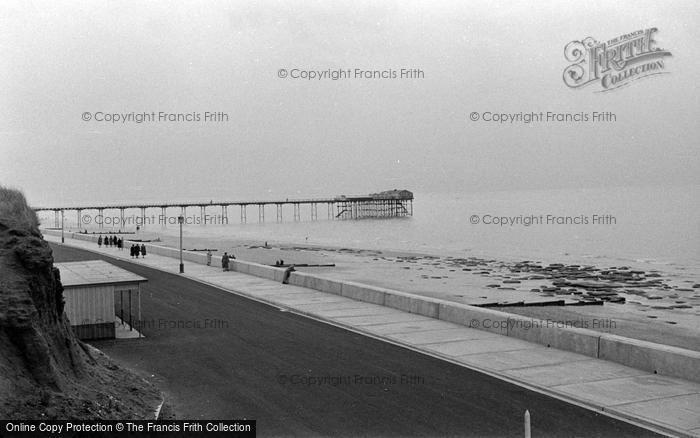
x=33 y=332
x=45 y=372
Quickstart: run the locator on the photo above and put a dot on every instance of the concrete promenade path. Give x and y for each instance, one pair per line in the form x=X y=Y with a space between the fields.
x=662 y=404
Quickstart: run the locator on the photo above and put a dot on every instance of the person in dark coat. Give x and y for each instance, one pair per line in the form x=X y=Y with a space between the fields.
x=225 y=261
x=143 y=250
x=99 y=241
x=131 y=251
x=120 y=244
x=137 y=250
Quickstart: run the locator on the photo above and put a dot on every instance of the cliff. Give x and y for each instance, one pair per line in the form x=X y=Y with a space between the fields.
x=45 y=372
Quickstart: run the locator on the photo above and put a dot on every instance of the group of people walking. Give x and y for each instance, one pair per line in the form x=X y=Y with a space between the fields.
x=114 y=241
x=138 y=250
x=117 y=242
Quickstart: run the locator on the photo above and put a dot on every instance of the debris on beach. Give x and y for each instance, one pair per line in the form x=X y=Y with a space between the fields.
x=561 y=284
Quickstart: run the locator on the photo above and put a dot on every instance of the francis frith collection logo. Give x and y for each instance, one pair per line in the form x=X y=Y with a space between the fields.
x=614 y=63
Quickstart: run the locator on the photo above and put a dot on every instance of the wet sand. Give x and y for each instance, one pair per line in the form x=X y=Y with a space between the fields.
x=648 y=305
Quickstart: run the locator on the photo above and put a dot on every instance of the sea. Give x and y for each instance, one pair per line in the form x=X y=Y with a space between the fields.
x=649 y=228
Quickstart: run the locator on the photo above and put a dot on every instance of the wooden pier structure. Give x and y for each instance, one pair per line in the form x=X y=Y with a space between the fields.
x=387 y=204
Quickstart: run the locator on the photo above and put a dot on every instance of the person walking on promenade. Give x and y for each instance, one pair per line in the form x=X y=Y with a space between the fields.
x=131 y=251
x=99 y=241
x=113 y=241
x=143 y=250
x=137 y=250
x=225 y=261
x=120 y=244
x=208 y=257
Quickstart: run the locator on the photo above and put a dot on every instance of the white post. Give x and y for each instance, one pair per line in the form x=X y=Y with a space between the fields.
x=527 y=424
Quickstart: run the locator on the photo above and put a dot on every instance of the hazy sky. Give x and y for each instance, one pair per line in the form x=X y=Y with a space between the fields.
x=293 y=137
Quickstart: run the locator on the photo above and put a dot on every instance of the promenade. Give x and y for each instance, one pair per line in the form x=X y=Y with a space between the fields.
x=660 y=403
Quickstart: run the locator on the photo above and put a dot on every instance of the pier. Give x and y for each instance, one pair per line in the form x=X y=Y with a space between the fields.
x=387 y=204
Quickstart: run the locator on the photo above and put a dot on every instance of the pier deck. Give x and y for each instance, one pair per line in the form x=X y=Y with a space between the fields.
x=388 y=204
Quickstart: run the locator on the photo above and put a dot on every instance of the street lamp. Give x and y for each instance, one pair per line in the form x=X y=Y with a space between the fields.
x=63 y=240
x=180 y=220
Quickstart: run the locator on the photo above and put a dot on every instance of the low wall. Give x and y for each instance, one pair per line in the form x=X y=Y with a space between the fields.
x=657 y=358
x=643 y=355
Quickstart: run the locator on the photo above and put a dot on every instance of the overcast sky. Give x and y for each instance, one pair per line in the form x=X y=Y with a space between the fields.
x=292 y=137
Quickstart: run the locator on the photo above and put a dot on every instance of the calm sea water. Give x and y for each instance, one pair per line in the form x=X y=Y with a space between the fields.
x=648 y=227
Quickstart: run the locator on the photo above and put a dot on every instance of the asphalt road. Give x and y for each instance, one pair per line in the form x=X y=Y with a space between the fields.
x=300 y=377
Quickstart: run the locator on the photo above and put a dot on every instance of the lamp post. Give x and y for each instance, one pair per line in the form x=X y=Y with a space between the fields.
x=180 y=220
x=63 y=240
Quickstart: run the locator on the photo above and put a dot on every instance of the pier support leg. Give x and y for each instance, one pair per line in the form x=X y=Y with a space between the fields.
x=244 y=214
x=279 y=212
x=224 y=214
x=202 y=214
x=261 y=213
x=163 y=219
x=100 y=214
x=79 y=214
x=143 y=217
x=55 y=220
